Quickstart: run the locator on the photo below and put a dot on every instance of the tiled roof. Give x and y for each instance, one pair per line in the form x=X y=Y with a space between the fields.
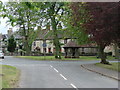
x=74 y=44
x=48 y=34
x=89 y=45
x=71 y=44
x=41 y=34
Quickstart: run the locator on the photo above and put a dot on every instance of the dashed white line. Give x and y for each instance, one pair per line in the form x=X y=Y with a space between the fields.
x=56 y=70
x=73 y=85
x=51 y=66
x=63 y=77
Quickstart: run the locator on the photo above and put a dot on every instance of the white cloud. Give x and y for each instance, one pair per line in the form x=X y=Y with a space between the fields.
x=3 y=25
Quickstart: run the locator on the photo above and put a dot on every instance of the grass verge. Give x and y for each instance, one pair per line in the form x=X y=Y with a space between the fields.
x=114 y=66
x=53 y=58
x=9 y=76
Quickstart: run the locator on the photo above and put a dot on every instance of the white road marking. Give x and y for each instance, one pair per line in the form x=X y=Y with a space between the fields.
x=56 y=70
x=73 y=85
x=51 y=66
x=63 y=77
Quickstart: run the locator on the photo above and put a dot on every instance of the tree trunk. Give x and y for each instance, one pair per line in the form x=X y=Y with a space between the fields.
x=26 y=46
x=56 y=41
x=55 y=32
x=102 y=55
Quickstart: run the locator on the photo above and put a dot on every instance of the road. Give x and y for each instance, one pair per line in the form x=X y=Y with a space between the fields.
x=58 y=74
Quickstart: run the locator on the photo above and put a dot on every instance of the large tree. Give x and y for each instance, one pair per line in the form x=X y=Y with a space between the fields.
x=23 y=15
x=27 y=15
x=103 y=26
x=52 y=13
x=97 y=21
x=78 y=16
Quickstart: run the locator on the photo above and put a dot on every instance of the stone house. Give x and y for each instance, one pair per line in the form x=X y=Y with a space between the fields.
x=45 y=36
x=111 y=49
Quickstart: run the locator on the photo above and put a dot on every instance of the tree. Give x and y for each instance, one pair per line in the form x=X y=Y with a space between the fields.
x=97 y=21
x=1 y=6
x=27 y=15
x=78 y=16
x=52 y=13
x=11 y=44
x=24 y=15
x=103 y=26
x=1 y=9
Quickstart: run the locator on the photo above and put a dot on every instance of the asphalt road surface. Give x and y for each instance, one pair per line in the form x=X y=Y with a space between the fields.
x=58 y=74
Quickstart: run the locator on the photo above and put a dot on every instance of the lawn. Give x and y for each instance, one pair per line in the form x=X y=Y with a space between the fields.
x=114 y=66
x=53 y=58
x=9 y=76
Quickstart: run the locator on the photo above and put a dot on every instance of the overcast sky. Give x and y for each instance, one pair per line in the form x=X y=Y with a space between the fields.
x=4 y=27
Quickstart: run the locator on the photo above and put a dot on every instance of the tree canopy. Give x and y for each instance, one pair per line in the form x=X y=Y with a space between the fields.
x=97 y=22
x=24 y=15
x=78 y=16
x=103 y=27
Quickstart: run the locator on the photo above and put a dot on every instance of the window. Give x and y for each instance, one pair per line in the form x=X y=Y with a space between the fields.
x=44 y=50
x=49 y=50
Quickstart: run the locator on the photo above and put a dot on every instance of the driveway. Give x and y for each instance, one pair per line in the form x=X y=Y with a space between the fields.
x=58 y=74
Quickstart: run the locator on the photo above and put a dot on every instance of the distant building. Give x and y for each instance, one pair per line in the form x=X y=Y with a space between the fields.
x=111 y=49
x=4 y=39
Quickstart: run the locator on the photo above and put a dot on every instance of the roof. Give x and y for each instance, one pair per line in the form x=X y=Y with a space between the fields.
x=71 y=44
x=48 y=34
x=42 y=34
x=89 y=45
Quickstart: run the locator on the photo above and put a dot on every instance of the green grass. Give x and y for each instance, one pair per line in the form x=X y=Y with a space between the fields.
x=53 y=58
x=10 y=76
x=114 y=66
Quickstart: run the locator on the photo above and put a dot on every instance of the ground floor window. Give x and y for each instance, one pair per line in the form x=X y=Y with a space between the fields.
x=49 y=50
